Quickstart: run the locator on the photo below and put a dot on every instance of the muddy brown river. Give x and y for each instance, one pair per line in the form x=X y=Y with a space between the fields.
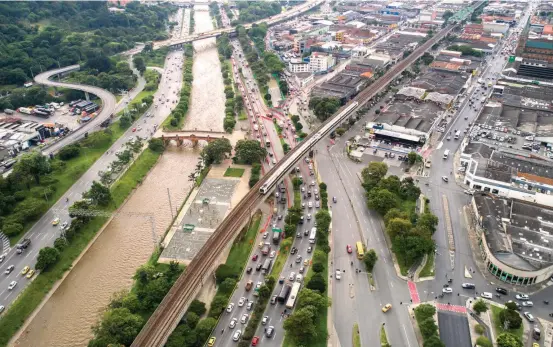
x=127 y=242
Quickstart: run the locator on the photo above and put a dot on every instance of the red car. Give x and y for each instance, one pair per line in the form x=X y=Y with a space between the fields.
x=133 y=130
x=255 y=340
x=254 y=258
x=348 y=248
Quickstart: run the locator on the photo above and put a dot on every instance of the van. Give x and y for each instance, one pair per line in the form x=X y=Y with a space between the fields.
x=446 y=154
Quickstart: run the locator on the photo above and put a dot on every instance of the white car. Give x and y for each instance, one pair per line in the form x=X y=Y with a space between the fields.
x=230 y=307
x=244 y=318
x=273 y=254
x=249 y=305
x=447 y=290
x=309 y=216
x=527 y=303
x=487 y=295
x=292 y=276
x=12 y=285
x=265 y=320
x=522 y=297
x=232 y=323
x=241 y=301
x=236 y=335
x=310 y=204
x=338 y=274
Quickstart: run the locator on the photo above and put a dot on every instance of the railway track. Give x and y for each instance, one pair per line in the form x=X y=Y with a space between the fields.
x=168 y=314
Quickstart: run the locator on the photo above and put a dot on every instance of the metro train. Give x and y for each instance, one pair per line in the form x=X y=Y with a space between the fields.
x=304 y=147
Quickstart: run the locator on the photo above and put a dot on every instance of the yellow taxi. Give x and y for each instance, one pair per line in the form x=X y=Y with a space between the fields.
x=386 y=307
x=535 y=344
x=211 y=341
x=56 y=221
x=30 y=274
x=25 y=270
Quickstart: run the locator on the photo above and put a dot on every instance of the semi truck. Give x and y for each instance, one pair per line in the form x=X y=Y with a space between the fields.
x=266 y=266
x=276 y=235
x=23 y=245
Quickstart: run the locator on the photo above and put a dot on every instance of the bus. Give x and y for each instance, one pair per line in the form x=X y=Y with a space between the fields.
x=293 y=295
x=284 y=292
x=446 y=154
x=312 y=235
x=359 y=248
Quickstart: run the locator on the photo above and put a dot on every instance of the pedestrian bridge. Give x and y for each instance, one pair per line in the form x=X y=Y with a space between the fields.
x=190 y=137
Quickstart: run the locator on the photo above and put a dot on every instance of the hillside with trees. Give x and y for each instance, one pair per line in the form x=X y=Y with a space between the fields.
x=39 y=36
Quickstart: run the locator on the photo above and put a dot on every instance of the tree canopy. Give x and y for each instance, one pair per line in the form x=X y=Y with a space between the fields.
x=249 y=151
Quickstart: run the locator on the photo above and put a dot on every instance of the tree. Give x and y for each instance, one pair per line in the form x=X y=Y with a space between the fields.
x=156 y=145
x=12 y=229
x=447 y=14
x=370 y=259
x=508 y=340
x=32 y=165
x=317 y=282
x=483 y=341
x=215 y=151
x=424 y=311
x=249 y=151
x=480 y=306
x=318 y=267
x=60 y=243
x=228 y=285
x=398 y=227
x=382 y=201
x=99 y=194
x=413 y=157
x=69 y=152
x=308 y=297
x=428 y=221
x=511 y=306
x=192 y=319
x=139 y=64
x=300 y=325
x=428 y=327
x=204 y=328
x=197 y=307
x=118 y=326
x=510 y=318
x=224 y=271
x=47 y=257
x=217 y=305
x=433 y=341
x=323 y=108
x=373 y=173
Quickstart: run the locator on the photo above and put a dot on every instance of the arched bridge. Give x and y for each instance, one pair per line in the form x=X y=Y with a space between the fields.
x=194 y=136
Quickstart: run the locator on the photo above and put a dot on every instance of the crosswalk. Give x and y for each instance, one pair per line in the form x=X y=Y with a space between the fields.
x=5 y=243
x=451 y=308
x=413 y=292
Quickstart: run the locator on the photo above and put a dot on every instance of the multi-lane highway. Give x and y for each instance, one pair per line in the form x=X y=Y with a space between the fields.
x=43 y=233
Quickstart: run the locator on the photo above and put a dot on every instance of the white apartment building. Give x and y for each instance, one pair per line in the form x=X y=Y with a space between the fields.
x=321 y=62
x=297 y=66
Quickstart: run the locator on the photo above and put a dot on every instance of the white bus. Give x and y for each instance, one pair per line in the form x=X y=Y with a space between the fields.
x=457 y=134
x=312 y=235
x=293 y=295
x=446 y=154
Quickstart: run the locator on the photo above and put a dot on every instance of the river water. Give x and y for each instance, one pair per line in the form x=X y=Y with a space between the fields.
x=127 y=242
x=208 y=99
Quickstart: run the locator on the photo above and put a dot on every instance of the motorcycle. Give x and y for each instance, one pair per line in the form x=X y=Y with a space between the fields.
x=546 y=302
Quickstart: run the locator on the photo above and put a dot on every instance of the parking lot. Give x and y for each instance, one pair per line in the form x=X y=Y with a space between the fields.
x=60 y=117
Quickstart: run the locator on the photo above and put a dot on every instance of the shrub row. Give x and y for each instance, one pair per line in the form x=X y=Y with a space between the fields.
x=256 y=172
x=176 y=118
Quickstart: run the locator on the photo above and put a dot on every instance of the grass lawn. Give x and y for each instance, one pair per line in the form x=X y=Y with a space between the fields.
x=155 y=58
x=383 y=337
x=428 y=269
x=284 y=251
x=31 y=297
x=92 y=148
x=234 y=172
x=137 y=99
x=498 y=327
x=242 y=247
x=356 y=336
x=403 y=266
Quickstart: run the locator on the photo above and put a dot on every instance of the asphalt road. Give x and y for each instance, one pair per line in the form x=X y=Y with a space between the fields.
x=454 y=329
x=43 y=234
x=108 y=107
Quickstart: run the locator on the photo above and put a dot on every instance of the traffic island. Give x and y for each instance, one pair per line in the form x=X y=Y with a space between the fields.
x=356 y=336
x=383 y=338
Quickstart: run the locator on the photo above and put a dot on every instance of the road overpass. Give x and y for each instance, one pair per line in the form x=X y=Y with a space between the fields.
x=168 y=314
x=108 y=100
x=293 y=12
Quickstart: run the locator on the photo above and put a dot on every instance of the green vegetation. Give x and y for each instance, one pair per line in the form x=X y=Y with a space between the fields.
x=313 y=320
x=498 y=317
x=249 y=152
x=395 y=200
x=298 y=126
x=78 y=236
x=251 y=11
x=215 y=13
x=260 y=62
x=153 y=58
x=428 y=268
x=234 y=172
x=216 y=151
x=480 y=306
x=232 y=106
x=356 y=336
x=176 y=119
x=254 y=174
x=424 y=314
x=284 y=251
x=479 y=329
x=483 y=341
x=192 y=22
x=323 y=108
x=383 y=338
x=195 y=332
x=509 y=340
x=85 y=33
x=466 y=50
